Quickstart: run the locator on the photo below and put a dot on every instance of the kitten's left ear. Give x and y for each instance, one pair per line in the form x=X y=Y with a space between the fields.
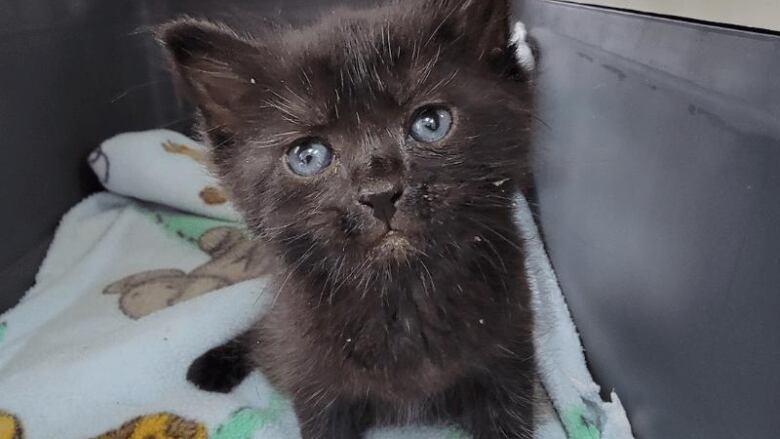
x=482 y=25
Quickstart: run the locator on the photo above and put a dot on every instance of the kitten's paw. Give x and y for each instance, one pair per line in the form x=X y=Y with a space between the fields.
x=523 y=50
x=219 y=370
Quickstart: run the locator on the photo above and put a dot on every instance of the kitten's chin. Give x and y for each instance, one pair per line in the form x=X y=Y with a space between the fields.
x=392 y=246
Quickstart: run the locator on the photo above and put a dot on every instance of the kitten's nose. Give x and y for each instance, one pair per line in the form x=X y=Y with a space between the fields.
x=382 y=199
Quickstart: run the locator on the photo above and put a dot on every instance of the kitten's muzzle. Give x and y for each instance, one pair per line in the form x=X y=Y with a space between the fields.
x=382 y=199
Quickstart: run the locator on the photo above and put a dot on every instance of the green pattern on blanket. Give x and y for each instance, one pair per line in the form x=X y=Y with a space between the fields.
x=243 y=423
x=3 y=327
x=577 y=426
x=185 y=226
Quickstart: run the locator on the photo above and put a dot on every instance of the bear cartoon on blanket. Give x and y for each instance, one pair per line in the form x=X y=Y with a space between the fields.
x=234 y=259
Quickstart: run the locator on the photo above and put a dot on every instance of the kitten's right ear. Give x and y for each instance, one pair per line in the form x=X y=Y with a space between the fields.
x=214 y=64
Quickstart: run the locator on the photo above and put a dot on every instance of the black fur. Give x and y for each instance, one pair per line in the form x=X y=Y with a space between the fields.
x=430 y=323
x=221 y=369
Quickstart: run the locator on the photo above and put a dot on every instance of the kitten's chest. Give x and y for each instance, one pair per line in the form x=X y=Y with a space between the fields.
x=399 y=356
x=396 y=345
x=408 y=337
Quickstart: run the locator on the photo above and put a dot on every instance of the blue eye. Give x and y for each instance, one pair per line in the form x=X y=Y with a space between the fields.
x=431 y=124
x=309 y=158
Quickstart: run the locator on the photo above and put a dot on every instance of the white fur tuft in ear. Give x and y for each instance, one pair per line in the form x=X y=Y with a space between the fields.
x=523 y=52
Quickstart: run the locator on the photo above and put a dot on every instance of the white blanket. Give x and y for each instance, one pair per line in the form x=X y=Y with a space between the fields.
x=132 y=291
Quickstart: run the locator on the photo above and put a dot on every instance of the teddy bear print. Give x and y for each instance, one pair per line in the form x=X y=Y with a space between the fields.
x=234 y=259
x=210 y=195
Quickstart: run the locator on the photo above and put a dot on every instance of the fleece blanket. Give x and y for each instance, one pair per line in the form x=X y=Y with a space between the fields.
x=141 y=280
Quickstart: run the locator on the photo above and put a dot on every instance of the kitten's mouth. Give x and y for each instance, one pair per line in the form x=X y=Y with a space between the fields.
x=393 y=237
x=392 y=243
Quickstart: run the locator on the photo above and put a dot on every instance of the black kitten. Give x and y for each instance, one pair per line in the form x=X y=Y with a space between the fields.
x=378 y=152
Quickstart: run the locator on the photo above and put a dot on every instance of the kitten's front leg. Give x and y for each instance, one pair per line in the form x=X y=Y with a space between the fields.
x=324 y=417
x=496 y=406
x=224 y=367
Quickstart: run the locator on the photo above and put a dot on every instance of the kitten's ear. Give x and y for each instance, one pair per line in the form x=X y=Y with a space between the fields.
x=213 y=63
x=482 y=25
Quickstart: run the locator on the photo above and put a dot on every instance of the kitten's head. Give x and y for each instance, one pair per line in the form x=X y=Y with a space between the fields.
x=370 y=138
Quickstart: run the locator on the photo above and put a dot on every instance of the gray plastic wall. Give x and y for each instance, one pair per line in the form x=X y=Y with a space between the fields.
x=658 y=168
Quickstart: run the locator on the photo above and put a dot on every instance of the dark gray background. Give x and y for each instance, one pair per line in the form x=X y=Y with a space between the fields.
x=658 y=167
x=659 y=189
